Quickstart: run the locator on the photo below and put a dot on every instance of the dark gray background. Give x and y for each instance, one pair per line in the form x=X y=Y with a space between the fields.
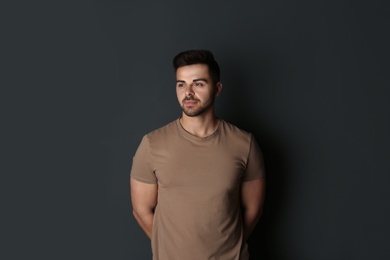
x=83 y=81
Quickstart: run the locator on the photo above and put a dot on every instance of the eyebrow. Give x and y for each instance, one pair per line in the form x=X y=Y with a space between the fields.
x=195 y=80
x=201 y=79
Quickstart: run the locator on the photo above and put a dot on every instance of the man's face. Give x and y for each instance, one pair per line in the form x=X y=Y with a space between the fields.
x=195 y=89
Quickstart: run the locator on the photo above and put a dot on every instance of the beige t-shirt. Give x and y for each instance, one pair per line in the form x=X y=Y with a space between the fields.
x=198 y=209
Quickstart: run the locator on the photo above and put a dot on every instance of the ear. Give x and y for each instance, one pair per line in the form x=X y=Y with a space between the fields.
x=218 y=88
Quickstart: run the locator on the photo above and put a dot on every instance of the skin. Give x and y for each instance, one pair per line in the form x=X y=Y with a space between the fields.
x=144 y=200
x=196 y=93
x=252 y=200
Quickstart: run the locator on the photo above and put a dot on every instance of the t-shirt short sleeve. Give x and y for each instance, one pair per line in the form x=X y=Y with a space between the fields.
x=142 y=168
x=255 y=163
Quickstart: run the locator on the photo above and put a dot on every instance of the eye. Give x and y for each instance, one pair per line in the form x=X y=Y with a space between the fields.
x=180 y=85
x=199 y=84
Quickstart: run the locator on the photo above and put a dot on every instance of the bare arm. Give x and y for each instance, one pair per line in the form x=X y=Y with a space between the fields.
x=252 y=199
x=144 y=200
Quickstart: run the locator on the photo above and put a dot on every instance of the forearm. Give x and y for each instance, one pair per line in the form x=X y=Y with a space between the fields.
x=252 y=199
x=250 y=217
x=144 y=201
x=145 y=221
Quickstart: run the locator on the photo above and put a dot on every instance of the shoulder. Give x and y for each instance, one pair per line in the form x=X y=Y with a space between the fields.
x=235 y=132
x=163 y=132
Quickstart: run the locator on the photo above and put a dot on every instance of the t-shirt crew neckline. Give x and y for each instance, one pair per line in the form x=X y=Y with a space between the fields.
x=186 y=134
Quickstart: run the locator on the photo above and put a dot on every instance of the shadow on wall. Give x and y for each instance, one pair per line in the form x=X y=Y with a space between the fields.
x=239 y=107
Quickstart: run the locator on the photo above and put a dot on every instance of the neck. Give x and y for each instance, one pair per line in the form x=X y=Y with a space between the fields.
x=200 y=126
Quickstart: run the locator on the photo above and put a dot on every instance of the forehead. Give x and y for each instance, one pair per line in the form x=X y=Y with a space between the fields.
x=192 y=71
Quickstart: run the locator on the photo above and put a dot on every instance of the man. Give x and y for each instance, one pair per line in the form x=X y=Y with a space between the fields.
x=197 y=184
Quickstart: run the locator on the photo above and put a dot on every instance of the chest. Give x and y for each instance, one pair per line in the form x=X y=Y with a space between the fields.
x=192 y=165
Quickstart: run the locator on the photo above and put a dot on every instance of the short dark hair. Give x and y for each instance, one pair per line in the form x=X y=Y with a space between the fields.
x=191 y=57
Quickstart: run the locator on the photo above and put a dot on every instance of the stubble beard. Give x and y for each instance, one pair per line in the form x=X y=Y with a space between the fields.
x=193 y=112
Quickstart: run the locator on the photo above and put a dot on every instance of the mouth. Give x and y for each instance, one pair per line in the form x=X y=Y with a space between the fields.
x=189 y=101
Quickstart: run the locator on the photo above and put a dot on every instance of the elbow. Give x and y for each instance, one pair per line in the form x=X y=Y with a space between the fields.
x=136 y=214
x=140 y=214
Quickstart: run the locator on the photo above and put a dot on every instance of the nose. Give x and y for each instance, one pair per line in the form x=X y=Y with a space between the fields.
x=189 y=91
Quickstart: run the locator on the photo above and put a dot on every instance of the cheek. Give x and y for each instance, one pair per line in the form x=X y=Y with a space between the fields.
x=179 y=94
x=208 y=95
